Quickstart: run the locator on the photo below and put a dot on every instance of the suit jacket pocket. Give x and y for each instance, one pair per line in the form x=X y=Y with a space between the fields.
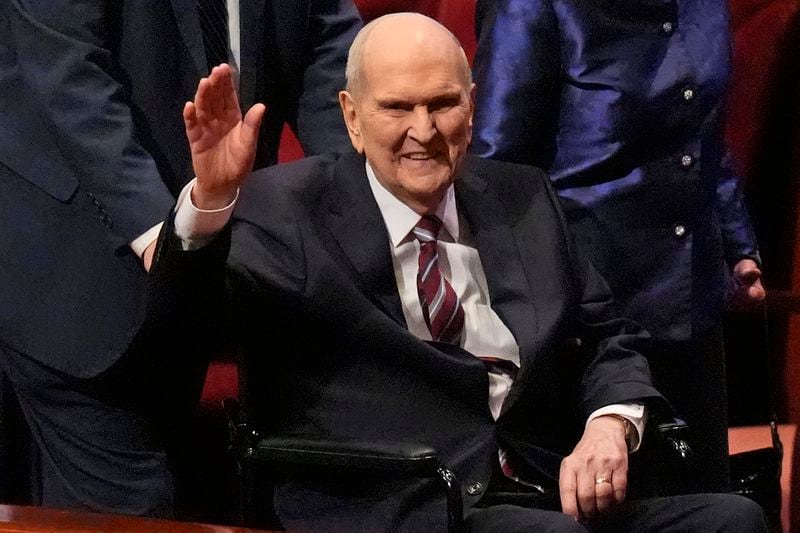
x=39 y=162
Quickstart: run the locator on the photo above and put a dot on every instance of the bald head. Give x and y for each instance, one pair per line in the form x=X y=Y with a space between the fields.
x=402 y=36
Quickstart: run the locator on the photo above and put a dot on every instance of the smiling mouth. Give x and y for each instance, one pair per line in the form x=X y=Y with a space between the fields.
x=417 y=156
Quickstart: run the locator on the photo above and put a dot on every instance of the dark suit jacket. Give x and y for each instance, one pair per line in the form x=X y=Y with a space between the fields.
x=313 y=297
x=92 y=144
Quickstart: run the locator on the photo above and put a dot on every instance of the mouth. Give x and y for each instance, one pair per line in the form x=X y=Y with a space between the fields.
x=419 y=156
x=424 y=158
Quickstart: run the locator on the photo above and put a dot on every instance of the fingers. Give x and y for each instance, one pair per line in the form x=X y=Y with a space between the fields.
x=584 y=493
x=230 y=97
x=603 y=492
x=756 y=292
x=201 y=97
x=216 y=95
x=220 y=81
x=619 y=482
x=568 y=490
x=190 y=122
x=746 y=271
x=587 y=491
x=749 y=290
x=748 y=277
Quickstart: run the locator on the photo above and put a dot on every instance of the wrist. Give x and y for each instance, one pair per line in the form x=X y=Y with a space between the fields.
x=630 y=433
x=211 y=200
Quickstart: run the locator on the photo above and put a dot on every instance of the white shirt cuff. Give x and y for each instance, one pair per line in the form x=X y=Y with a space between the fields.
x=197 y=227
x=140 y=243
x=634 y=412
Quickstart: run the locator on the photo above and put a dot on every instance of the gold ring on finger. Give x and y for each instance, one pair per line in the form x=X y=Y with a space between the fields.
x=601 y=480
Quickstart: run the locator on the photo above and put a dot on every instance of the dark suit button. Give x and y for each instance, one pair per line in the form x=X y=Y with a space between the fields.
x=679 y=230
x=667 y=27
x=687 y=161
x=474 y=488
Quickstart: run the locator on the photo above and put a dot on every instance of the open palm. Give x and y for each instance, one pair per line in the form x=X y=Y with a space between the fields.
x=223 y=144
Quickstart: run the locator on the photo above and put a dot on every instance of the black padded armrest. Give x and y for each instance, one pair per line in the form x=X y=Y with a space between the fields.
x=406 y=458
x=674 y=435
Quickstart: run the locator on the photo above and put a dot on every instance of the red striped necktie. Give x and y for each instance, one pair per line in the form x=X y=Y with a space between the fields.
x=442 y=309
x=441 y=306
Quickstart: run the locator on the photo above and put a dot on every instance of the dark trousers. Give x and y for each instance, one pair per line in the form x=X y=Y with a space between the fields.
x=691 y=375
x=677 y=514
x=509 y=506
x=95 y=444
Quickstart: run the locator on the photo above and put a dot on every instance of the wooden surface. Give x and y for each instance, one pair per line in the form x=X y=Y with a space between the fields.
x=17 y=519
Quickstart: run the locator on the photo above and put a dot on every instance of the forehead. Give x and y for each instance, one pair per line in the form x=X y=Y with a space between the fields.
x=415 y=62
x=416 y=85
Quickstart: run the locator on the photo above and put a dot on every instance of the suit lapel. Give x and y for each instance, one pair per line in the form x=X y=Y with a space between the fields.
x=498 y=247
x=353 y=219
x=189 y=26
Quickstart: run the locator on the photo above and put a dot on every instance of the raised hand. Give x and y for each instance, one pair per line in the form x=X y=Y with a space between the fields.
x=223 y=144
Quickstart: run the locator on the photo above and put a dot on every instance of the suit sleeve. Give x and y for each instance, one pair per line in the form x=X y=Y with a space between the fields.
x=243 y=272
x=318 y=124
x=609 y=367
x=738 y=237
x=517 y=77
x=614 y=371
x=65 y=59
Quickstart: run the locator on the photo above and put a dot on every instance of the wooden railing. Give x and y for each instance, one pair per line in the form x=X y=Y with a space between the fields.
x=21 y=519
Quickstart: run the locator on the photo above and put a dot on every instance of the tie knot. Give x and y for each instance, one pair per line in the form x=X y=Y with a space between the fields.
x=427 y=229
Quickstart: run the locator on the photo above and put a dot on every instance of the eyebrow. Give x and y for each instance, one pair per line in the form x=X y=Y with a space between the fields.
x=399 y=101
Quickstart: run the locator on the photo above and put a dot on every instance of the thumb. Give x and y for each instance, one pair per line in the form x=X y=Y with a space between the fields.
x=190 y=122
x=252 y=123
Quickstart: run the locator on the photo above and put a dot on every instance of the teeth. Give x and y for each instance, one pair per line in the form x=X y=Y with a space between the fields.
x=418 y=156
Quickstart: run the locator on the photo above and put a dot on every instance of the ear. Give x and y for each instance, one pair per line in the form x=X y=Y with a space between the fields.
x=471 y=112
x=471 y=103
x=351 y=120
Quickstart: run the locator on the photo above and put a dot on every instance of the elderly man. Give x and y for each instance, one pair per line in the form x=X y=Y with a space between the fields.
x=410 y=293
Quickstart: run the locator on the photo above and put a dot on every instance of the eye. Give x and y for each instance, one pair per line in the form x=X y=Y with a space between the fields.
x=397 y=107
x=443 y=104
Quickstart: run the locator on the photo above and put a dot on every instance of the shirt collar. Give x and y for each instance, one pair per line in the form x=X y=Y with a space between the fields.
x=401 y=219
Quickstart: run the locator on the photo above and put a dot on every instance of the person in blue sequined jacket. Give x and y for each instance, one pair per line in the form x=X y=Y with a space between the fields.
x=623 y=103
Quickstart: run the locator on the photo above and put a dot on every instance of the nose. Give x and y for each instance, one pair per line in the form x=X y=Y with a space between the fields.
x=422 y=126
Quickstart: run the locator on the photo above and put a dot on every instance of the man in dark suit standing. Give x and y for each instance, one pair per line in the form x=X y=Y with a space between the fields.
x=409 y=293
x=91 y=151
